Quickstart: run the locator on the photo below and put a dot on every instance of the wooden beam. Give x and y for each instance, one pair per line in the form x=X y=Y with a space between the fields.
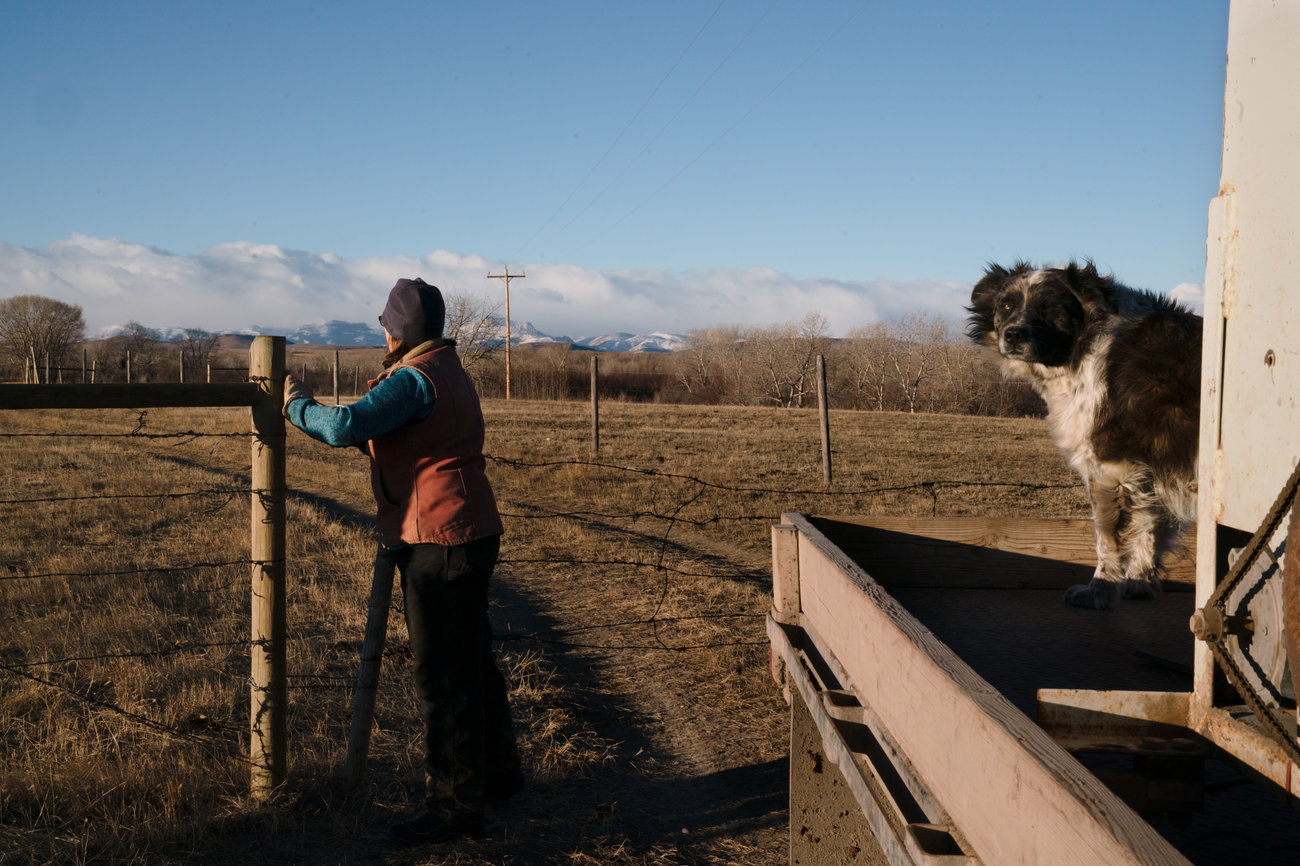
x=1016 y=795
x=128 y=396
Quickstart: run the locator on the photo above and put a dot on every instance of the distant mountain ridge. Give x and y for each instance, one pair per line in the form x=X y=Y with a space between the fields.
x=337 y=333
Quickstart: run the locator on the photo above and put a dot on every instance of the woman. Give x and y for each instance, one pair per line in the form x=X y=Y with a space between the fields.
x=438 y=524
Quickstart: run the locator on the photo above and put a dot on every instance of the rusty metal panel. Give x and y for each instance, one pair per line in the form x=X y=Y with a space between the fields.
x=1253 y=271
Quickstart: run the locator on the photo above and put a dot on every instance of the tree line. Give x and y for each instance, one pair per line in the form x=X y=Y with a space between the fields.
x=918 y=363
x=44 y=340
x=914 y=364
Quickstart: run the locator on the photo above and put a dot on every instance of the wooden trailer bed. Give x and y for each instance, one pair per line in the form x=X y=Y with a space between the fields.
x=944 y=631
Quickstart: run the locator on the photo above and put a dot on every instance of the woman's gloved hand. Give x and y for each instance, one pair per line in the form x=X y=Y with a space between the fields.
x=295 y=390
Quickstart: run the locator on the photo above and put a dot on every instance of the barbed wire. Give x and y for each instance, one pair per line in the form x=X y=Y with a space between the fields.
x=212 y=491
x=733 y=488
x=138 y=432
x=567 y=560
x=136 y=654
x=211 y=744
x=568 y=638
x=178 y=434
x=152 y=569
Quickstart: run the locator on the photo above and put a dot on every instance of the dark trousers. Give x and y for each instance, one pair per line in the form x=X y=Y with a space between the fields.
x=469 y=735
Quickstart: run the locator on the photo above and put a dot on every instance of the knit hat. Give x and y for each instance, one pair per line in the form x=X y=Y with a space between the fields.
x=415 y=312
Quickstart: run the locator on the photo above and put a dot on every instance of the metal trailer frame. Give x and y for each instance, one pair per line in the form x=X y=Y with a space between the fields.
x=980 y=782
x=1250 y=375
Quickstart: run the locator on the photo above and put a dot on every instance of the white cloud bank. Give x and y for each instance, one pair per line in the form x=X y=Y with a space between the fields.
x=240 y=285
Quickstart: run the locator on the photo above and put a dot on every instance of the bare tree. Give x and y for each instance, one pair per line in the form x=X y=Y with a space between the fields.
x=472 y=322
x=700 y=367
x=32 y=326
x=196 y=348
x=143 y=346
x=912 y=357
x=786 y=359
x=862 y=368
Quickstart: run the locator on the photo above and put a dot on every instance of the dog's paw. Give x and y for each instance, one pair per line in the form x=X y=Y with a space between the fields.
x=1142 y=590
x=1097 y=595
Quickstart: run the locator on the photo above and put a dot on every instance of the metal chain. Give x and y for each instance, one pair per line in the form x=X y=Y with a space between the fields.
x=1255 y=546
x=1262 y=712
x=1218 y=599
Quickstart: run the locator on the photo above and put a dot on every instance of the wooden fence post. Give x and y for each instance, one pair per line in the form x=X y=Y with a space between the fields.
x=336 y=377
x=824 y=408
x=372 y=657
x=182 y=367
x=595 y=405
x=268 y=722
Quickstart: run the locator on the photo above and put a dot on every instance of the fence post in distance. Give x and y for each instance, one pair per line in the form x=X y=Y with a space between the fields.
x=823 y=407
x=595 y=405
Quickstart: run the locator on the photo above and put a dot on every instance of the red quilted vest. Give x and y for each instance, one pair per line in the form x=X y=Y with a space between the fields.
x=428 y=475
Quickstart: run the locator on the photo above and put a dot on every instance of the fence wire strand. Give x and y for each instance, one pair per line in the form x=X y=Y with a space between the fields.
x=672 y=516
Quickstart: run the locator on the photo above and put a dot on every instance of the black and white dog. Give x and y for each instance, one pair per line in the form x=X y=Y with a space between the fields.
x=1120 y=371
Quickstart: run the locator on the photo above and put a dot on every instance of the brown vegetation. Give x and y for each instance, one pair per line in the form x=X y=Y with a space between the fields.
x=916 y=364
x=630 y=601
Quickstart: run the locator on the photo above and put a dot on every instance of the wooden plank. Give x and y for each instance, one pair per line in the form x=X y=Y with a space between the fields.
x=1120 y=722
x=785 y=572
x=1016 y=795
x=979 y=552
x=128 y=396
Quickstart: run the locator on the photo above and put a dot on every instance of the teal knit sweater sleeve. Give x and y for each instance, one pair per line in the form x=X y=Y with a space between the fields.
x=403 y=396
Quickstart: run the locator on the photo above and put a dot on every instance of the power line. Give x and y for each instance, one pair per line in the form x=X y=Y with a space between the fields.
x=507 y=277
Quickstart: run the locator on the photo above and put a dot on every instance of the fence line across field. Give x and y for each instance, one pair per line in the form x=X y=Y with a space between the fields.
x=268 y=490
x=263 y=394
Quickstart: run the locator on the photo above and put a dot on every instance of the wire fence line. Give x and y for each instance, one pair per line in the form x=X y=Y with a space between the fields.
x=230 y=492
x=929 y=487
x=152 y=569
x=585 y=637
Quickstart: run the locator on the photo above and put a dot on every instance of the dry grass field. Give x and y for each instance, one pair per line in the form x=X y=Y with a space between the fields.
x=629 y=602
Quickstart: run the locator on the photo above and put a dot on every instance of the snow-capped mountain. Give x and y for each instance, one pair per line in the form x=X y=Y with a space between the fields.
x=624 y=342
x=337 y=333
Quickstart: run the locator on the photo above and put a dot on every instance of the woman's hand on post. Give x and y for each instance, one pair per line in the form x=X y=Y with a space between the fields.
x=295 y=390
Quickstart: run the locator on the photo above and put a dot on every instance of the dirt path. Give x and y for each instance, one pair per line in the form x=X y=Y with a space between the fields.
x=667 y=669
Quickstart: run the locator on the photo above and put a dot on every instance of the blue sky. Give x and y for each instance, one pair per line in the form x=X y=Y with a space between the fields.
x=642 y=150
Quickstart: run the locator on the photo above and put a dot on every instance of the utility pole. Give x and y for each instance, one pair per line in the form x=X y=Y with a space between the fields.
x=507 y=277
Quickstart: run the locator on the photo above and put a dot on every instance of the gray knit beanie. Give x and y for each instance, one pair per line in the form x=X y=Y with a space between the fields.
x=415 y=312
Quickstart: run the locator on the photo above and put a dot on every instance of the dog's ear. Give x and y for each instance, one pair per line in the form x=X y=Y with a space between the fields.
x=1096 y=292
x=979 y=328
x=995 y=277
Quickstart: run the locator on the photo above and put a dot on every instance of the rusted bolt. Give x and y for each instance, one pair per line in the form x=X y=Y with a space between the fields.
x=1210 y=624
x=1207 y=624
